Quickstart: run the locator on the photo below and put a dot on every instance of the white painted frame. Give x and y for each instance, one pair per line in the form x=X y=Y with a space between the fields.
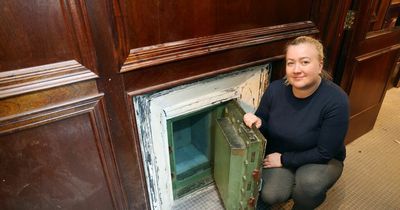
x=153 y=110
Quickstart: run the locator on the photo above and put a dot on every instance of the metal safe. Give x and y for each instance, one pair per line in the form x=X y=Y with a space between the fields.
x=214 y=145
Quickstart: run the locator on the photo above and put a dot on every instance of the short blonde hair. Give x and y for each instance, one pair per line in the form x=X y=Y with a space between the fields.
x=318 y=46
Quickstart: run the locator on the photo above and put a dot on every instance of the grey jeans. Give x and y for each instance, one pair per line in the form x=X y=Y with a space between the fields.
x=306 y=185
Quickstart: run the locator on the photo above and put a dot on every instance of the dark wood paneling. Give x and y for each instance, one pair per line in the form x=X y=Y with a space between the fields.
x=379 y=39
x=175 y=51
x=370 y=79
x=176 y=42
x=42 y=107
x=32 y=79
x=47 y=32
x=54 y=166
x=32 y=33
x=193 y=19
x=155 y=22
x=76 y=20
x=176 y=73
x=370 y=59
x=108 y=38
x=84 y=104
x=52 y=120
x=141 y=22
x=378 y=13
x=360 y=124
x=55 y=144
x=243 y=14
x=329 y=17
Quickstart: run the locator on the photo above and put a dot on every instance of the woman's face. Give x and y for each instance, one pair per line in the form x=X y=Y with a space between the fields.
x=303 y=66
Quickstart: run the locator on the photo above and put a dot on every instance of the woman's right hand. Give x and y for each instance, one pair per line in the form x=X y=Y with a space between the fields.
x=251 y=119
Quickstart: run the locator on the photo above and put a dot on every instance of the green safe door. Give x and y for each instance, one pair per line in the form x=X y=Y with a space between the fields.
x=238 y=156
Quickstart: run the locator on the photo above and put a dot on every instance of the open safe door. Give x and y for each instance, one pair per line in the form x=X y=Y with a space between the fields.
x=239 y=151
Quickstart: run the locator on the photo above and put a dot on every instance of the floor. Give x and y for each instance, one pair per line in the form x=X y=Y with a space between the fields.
x=371 y=177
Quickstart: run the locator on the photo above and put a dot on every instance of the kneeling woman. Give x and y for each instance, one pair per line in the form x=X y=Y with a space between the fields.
x=305 y=119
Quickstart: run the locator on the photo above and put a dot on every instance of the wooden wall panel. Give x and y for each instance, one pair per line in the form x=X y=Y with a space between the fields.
x=184 y=49
x=47 y=32
x=40 y=37
x=45 y=136
x=41 y=107
x=42 y=77
x=242 y=14
x=194 y=19
x=370 y=79
x=55 y=166
x=329 y=18
x=370 y=59
x=378 y=13
x=175 y=73
x=162 y=44
x=155 y=22
x=67 y=66
x=55 y=144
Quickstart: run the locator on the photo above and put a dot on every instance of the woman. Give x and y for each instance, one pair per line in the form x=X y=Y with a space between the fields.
x=305 y=119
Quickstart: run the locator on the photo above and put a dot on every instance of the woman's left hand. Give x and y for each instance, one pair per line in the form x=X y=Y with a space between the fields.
x=272 y=160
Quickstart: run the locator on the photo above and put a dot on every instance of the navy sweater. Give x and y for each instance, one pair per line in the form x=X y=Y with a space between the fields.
x=307 y=130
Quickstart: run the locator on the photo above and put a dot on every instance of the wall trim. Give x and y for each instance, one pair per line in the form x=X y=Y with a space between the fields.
x=20 y=81
x=47 y=115
x=183 y=49
x=375 y=53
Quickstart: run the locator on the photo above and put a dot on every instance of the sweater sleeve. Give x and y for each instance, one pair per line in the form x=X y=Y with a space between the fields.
x=263 y=109
x=331 y=138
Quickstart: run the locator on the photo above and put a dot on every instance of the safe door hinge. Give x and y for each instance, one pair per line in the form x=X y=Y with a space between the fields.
x=349 y=21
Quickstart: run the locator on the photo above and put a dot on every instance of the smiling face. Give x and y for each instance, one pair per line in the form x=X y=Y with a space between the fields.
x=303 y=68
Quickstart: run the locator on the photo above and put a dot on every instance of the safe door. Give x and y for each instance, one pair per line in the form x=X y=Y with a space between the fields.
x=239 y=151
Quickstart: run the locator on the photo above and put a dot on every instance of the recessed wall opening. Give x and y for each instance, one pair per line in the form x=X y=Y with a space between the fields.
x=175 y=129
x=191 y=146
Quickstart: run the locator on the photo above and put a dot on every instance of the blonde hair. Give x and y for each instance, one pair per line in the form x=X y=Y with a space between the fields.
x=318 y=46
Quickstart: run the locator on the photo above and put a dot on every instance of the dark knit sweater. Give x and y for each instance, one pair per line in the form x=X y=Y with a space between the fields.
x=308 y=130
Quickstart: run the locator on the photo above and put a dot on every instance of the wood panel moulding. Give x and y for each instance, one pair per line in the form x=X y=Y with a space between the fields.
x=26 y=80
x=330 y=18
x=78 y=162
x=34 y=33
x=184 y=49
x=76 y=19
x=376 y=53
x=380 y=39
x=41 y=107
x=106 y=151
x=371 y=78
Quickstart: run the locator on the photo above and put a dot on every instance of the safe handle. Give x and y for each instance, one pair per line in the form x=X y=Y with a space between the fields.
x=251 y=202
x=256 y=174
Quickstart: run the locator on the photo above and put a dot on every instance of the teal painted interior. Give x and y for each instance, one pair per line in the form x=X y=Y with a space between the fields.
x=191 y=149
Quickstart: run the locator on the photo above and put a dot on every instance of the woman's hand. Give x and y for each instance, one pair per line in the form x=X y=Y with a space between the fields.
x=251 y=119
x=272 y=160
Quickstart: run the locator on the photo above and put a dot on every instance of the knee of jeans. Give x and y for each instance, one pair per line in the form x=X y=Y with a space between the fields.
x=274 y=196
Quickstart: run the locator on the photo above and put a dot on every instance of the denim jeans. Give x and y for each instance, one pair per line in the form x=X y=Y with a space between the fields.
x=306 y=185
